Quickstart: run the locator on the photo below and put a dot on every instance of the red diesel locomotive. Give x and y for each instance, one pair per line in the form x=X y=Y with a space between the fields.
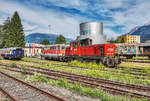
x=82 y=51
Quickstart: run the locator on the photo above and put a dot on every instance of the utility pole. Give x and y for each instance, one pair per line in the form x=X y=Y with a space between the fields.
x=49 y=26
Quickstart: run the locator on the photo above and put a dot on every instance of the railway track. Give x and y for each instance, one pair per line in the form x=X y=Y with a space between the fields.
x=11 y=98
x=18 y=90
x=134 y=71
x=43 y=63
x=107 y=85
x=136 y=61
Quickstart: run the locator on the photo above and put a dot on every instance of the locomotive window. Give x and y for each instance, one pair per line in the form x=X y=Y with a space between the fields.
x=58 y=47
x=75 y=44
x=85 y=42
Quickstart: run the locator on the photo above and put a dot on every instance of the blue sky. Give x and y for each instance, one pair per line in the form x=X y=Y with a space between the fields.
x=64 y=16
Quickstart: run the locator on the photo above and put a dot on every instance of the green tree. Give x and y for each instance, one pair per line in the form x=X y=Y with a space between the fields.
x=60 y=39
x=15 y=37
x=111 y=40
x=45 y=42
x=1 y=36
x=122 y=40
x=4 y=32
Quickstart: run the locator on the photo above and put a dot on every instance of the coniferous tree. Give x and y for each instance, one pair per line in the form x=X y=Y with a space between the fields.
x=1 y=36
x=4 y=32
x=15 y=37
x=60 y=39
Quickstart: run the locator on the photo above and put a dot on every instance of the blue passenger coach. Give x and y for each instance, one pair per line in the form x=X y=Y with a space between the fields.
x=12 y=53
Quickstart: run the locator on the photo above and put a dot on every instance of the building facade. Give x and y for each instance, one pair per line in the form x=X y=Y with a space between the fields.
x=129 y=39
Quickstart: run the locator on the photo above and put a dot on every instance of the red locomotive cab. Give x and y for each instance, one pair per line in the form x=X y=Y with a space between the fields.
x=109 y=50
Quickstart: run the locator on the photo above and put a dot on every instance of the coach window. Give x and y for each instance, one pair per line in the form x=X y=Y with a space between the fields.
x=63 y=47
x=51 y=47
x=57 y=47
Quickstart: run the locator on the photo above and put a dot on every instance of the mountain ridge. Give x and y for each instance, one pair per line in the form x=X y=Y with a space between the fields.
x=38 y=37
x=143 y=31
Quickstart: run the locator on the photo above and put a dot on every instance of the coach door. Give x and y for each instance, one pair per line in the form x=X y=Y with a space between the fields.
x=101 y=51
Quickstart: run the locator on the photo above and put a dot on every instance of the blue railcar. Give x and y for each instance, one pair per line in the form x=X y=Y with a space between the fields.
x=12 y=53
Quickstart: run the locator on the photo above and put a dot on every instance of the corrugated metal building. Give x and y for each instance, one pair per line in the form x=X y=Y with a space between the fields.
x=92 y=32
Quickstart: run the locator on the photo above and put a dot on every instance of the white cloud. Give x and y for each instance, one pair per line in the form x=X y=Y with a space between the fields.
x=36 y=18
x=136 y=15
x=41 y=18
x=77 y=4
x=110 y=33
x=29 y=28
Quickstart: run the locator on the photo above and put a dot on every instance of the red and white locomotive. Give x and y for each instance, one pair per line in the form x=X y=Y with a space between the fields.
x=54 y=52
x=104 y=53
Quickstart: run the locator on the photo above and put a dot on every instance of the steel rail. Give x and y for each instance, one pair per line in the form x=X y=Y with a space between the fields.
x=96 y=82
x=33 y=87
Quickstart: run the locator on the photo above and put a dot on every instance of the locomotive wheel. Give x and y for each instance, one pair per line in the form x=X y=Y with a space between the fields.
x=105 y=60
x=42 y=58
x=97 y=62
x=80 y=59
x=129 y=57
x=110 y=62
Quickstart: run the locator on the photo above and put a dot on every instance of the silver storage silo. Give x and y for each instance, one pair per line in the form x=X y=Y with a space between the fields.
x=93 y=31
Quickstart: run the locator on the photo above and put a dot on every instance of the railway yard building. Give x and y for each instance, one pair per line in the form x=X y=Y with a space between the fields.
x=129 y=39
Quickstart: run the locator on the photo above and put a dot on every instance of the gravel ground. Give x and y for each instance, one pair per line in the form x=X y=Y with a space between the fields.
x=21 y=92
x=58 y=91
x=3 y=97
x=63 y=93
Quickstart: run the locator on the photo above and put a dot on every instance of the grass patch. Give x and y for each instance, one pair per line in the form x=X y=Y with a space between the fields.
x=3 y=100
x=26 y=59
x=36 y=77
x=90 y=65
x=23 y=69
x=13 y=65
x=134 y=65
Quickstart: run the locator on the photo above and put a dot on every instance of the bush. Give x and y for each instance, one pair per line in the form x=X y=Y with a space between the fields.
x=14 y=65
x=23 y=69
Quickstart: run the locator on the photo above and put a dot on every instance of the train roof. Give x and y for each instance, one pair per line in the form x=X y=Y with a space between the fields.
x=11 y=48
x=144 y=44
